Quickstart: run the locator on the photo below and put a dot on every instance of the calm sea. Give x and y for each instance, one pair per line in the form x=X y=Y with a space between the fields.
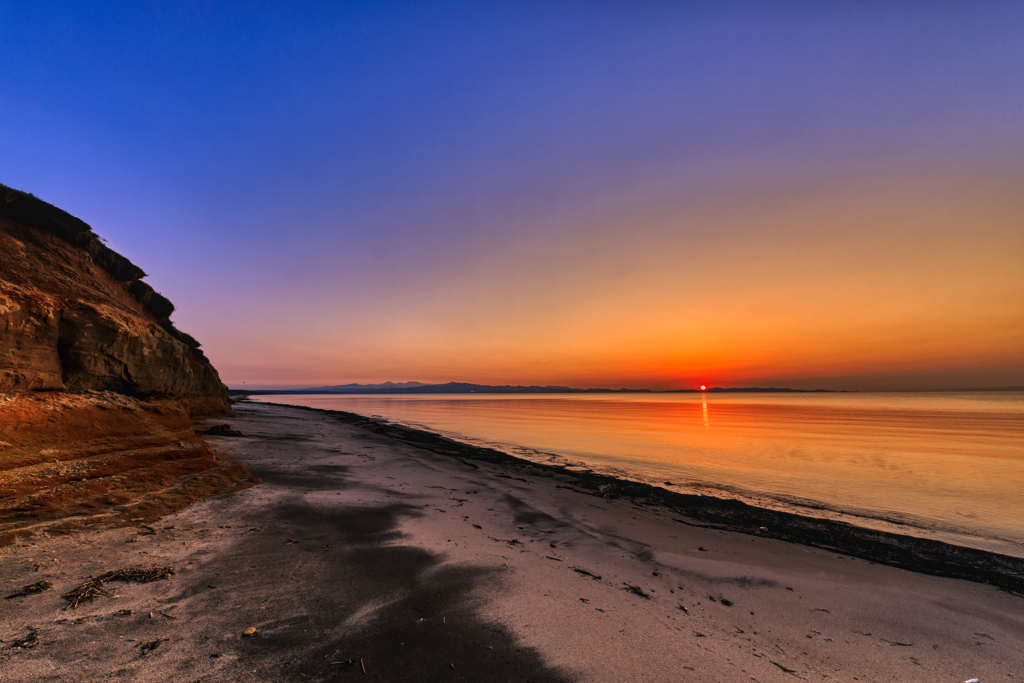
x=947 y=466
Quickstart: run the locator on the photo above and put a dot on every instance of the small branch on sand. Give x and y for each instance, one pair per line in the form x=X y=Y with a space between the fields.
x=789 y=671
x=584 y=572
x=893 y=642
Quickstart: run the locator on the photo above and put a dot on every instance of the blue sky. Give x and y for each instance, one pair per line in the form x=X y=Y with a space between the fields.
x=311 y=180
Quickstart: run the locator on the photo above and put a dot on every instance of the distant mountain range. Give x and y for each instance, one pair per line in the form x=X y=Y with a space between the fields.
x=466 y=388
x=364 y=388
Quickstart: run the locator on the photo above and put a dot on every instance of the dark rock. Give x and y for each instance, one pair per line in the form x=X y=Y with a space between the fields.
x=222 y=430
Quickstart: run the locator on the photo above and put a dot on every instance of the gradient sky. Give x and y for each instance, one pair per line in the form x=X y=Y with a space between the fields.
x=584 y=193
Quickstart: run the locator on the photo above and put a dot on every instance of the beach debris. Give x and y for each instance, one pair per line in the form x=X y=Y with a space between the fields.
x=584 y=572
x=510 y=541
x=84 y=593
x=789 y=671
x=972 y=680
x=146 y=648
x=29 y=641
x=94 y=587
x=251 y=631
x=222 y=430
x=685 y=611
x=726 y=602
x=636 y=590
x=31 y=589
x=702 y=549
x=894 y=643
x=364 y=665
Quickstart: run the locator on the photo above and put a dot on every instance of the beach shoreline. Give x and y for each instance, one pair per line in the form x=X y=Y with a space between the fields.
x=905 y=551
x=360 y=552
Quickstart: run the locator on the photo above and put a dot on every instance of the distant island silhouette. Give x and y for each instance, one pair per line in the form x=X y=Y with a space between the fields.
x=467 y=388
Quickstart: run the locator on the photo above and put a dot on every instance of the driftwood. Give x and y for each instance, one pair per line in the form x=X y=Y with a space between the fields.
x=94 y=587
x=84 y=593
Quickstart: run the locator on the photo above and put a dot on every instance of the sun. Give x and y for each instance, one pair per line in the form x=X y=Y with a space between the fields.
x=703 y=388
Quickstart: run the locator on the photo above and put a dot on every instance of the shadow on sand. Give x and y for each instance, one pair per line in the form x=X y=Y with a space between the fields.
x=333 y=590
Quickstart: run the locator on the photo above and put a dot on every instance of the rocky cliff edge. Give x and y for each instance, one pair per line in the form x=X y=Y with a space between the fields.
x=97 y=386
x=76 y=316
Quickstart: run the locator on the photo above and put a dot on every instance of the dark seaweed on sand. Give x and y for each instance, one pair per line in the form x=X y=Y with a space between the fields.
x=636 y=590
x=28 y=641
x=31 y=589
x=907 y=552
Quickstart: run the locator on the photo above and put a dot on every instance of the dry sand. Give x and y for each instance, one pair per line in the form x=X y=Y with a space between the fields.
x=358 y=552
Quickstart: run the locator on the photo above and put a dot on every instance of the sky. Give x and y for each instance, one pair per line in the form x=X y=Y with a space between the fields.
x=593 y=194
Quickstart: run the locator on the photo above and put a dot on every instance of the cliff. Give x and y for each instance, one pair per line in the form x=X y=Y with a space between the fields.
x=76 y=316
x=97 y=386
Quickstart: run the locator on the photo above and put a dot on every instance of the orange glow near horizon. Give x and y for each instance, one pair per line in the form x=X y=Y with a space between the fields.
x=848 y=284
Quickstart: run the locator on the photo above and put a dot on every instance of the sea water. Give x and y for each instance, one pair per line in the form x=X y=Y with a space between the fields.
x=948 y=466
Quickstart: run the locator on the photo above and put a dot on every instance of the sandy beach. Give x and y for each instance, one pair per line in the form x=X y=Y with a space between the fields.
x=361 y=557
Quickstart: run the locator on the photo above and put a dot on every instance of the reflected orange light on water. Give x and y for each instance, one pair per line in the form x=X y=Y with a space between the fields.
x=929 y=460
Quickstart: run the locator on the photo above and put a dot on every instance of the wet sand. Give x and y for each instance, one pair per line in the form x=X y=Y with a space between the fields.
x=360 y=551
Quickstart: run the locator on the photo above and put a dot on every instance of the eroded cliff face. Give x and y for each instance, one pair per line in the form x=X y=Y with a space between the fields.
x=75 y=316
x=97 y=386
